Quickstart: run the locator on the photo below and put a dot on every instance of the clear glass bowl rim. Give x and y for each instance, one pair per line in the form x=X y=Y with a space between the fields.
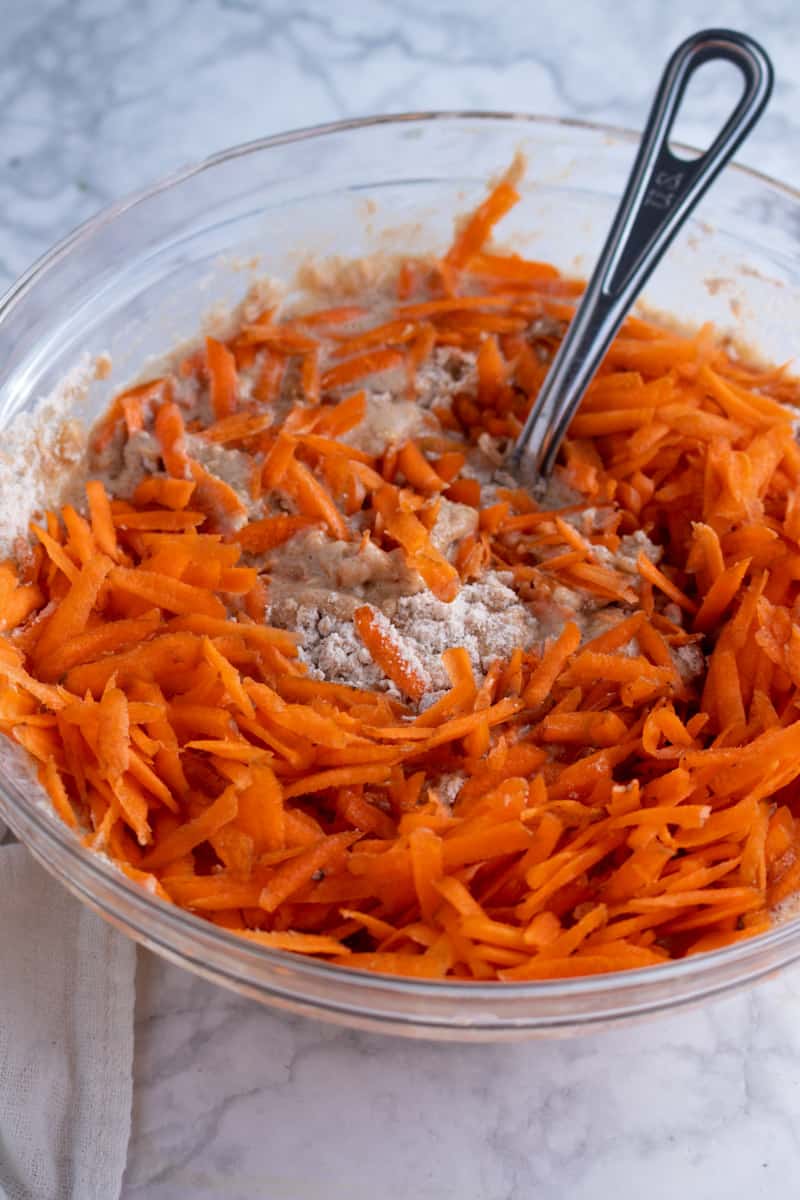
x=169 y=928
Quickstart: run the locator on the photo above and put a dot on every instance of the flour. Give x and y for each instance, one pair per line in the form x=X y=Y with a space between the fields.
x=558 y=494
x=369 y=281
x=317 y=584
x=330 y=646
x=486 y=464
x=486 y=618
x=481 y=467
x=689 y=661
x=123 y=464
x=787 y=910
x=231 y=466
x=43 y=457
x=448 y=786
x=493 y=449
x=447 y=373
x=453 y=523
x=630 y=546
x=389 y=421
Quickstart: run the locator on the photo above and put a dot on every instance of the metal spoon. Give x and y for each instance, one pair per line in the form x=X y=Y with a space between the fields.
x=661 y=193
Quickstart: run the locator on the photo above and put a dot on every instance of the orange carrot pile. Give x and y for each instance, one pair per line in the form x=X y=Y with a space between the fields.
x=612 y=810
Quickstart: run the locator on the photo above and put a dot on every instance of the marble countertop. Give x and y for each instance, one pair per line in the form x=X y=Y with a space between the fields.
x=235 y=1101
x=100 y=97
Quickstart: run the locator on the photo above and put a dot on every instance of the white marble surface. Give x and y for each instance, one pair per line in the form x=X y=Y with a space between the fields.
x=234 y=1101
x=99 y=97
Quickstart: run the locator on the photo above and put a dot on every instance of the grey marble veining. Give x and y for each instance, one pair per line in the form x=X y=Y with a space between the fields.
x=101 y=97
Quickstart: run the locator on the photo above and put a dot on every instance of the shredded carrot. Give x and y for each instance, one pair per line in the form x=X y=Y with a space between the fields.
x=421 y=555
x=612 y=789
x=171 y=493
x=105 y=535
x=473 y=235
x=548 y=670
x=54 y=784
x=292 y=875
x=314 y=499
x=57 y=555
x=511 y=267
x=222 y=373
x=387 y=654
x=351 y=369
x=184 y=838
x=300 y=943
x=169 y=594
x=649 y=571
x=418 y=471
x=491 y=372
x=71 y=617
x=170 y=431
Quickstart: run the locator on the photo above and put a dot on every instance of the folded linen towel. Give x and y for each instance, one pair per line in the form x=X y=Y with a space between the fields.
x=66 y=1041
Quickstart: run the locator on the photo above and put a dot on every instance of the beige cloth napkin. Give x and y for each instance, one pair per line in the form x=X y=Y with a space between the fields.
x=66 y=1041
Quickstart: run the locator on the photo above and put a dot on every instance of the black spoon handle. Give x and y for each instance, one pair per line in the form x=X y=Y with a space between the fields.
x=661 y=193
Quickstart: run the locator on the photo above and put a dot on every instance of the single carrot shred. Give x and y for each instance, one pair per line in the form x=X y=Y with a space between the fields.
x=471 y=238
x=223 y=378
x=387 y=653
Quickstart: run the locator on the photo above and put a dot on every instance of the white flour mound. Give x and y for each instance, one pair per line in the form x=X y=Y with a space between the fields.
x=330 y=646
x=448 y=371
x=486 y=618
x=43 y=455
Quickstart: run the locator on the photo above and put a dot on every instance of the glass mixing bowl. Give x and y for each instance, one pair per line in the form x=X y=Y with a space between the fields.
x=143 y=275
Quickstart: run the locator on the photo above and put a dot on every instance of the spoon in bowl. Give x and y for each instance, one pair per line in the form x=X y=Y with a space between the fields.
x=661 y=192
